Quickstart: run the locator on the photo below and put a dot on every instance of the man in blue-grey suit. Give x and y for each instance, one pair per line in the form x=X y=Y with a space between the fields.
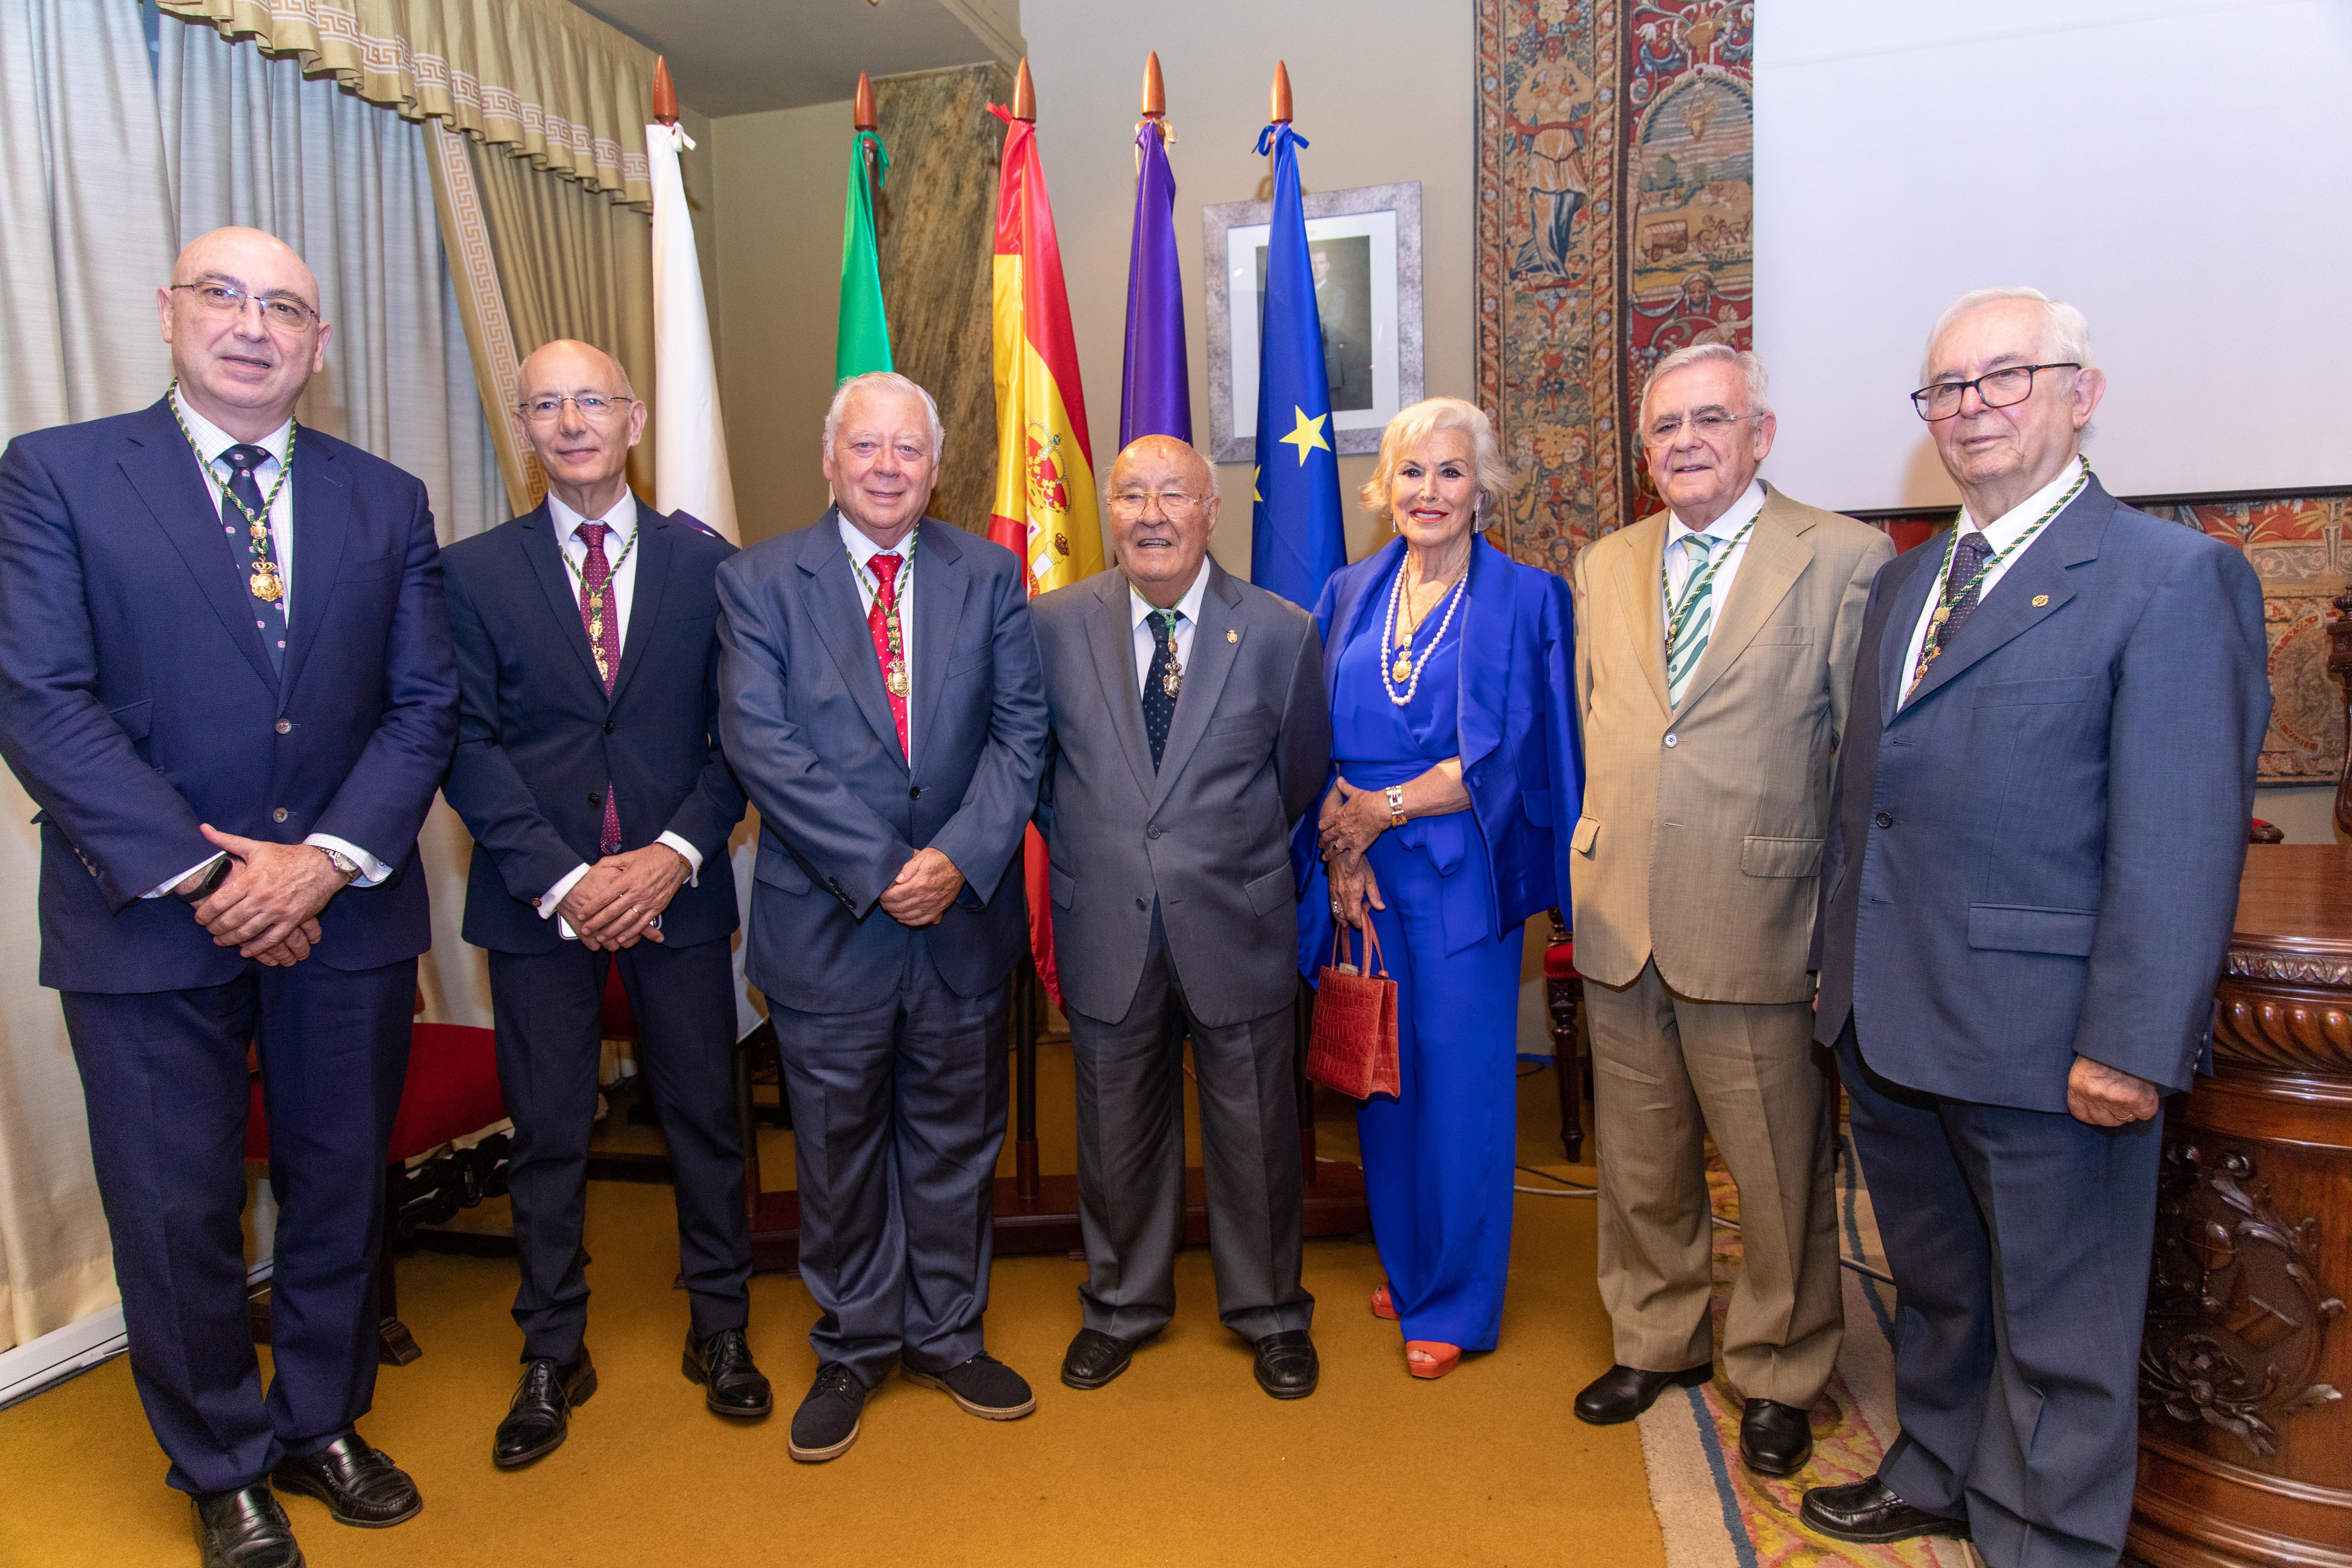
x=2032 y=867
x=225 y=678
x=881 y=701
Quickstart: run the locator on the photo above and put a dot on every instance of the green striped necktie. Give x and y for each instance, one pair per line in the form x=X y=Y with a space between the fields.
x=1694 y=612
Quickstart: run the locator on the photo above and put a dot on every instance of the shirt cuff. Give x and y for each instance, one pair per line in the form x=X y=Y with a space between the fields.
x=557 y=894
x=372 y=870
x=693 y=858
x=203 y=864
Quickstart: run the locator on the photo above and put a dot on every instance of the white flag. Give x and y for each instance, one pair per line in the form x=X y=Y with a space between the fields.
x=689 y=438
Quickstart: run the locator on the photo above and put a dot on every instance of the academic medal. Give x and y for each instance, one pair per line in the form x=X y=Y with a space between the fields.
x=266 y=586
x=1171 y=680
x=899 y=683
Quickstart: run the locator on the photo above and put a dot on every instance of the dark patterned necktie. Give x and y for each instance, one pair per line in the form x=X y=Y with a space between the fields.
x=889 y=644
x=1967 y=560
x=269 y=615
x=1158 y=700
x=600 y=618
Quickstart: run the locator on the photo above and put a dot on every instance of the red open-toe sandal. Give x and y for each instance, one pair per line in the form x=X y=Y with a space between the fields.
x=1443 y=1358
x=1381 y=1306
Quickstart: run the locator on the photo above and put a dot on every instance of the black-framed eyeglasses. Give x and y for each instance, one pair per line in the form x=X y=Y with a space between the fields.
x=1708 y=427
x=592 y=405
x=282 y=311
x=1997 y=389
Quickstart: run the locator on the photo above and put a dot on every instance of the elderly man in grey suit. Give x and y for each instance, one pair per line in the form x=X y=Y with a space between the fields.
x=879 y=699
x=1190 y=733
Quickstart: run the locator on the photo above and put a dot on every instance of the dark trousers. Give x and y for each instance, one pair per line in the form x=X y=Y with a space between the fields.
x=163 y=1075
x=547 y=1006
x=2019 y=1241
x=897 y=1117
x=1131 y=1160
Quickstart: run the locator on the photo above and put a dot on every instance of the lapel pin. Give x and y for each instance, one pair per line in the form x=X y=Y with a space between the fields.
x=1231 y=636
x=2040 y=600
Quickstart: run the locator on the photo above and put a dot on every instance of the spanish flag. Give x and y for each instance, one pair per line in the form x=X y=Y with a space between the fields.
x=1046 y=511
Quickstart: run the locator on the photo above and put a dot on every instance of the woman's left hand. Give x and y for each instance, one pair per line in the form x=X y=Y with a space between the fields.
x=1351 y=819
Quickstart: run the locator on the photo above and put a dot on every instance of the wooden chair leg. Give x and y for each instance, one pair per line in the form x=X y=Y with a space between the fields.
x=395 y=1346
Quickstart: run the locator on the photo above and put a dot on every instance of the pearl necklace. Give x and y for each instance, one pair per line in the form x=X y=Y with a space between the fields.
x=1404 y=661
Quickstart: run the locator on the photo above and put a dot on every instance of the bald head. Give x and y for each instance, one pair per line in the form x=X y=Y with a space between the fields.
x=242 y=317
x=567 y=361
x=1164 y=507
x=580 y=416
x=1167 y=452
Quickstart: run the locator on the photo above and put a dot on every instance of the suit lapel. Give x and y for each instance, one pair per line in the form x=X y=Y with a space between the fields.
x=839 y=615
x=323 y=524
x=655 y=551
x=546 y=558
x=2029 y=593
x=1110 y=634
x=1348 y=610
x=1489 y=613
x=187 y=507
x=1638 y=602
x=1204 y=678
x=1905 y=604
x=942 y=590
x=1776 y=555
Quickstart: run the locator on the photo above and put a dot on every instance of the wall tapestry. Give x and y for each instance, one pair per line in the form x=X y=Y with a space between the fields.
x=1616 y=211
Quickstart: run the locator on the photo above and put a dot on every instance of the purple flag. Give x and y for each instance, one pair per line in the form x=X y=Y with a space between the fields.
x=1156 y=395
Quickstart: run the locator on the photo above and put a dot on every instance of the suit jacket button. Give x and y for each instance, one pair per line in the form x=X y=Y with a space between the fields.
x=595 y=800
x=915 y=793
x=608 y=726
x=1884 y=820
x=1141 y=905
x=284 y=725
x=1671 y=742
x=277 y=815
x=1151 y=833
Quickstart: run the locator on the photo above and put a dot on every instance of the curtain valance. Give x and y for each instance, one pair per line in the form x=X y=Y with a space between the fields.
x=541 y=77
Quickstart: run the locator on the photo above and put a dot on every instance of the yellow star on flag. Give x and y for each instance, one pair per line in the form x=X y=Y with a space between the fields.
x=1308 y=435
x=1255 y=493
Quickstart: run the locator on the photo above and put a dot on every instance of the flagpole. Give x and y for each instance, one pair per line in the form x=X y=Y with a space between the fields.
x=690 y=442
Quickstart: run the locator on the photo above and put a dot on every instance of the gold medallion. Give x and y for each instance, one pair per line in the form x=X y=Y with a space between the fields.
x=596 y=630
x=1401 y=669
x=266 y=586
x=897 y=682
x=1943 y=614
x=1171 y=680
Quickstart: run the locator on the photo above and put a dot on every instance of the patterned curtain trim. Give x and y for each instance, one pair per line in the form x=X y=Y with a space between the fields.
x=489 y=332
x=542 y=76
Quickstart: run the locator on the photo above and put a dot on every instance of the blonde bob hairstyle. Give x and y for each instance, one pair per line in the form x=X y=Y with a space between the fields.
x=1414 y=425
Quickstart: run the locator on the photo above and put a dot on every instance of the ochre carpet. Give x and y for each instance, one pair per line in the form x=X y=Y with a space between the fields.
x=1182 y=1461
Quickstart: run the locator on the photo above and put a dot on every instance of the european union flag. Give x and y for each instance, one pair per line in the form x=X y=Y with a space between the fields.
x=1295 y=538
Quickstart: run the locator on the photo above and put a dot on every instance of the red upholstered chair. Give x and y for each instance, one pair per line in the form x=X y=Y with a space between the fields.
x=2265 y=833
x=1564 y=991
x=452 y=1090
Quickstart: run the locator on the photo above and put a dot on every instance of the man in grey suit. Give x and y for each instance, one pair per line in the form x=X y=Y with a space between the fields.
x=880 y=702
x=1190 y=733
x=2036 y=835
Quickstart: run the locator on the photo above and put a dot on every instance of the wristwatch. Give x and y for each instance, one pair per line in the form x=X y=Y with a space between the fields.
x=345 y=866
x=1396 y=805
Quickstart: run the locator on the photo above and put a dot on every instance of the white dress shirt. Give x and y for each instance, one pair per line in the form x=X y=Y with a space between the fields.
x=213 y=441
x=863 y=550
x=2001 y=534
x=1147 y=634
x=621 y=525
x=1680 y=557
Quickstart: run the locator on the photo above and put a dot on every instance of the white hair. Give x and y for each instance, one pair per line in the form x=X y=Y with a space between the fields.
x=1751 y=371
x=2066 y=331
x=884 y=381
x=1415 y=425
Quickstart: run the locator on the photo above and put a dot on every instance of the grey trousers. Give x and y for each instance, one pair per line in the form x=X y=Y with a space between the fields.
x=1131 y=1160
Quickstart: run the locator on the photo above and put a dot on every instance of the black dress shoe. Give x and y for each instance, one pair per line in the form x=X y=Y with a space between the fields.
x=541 y=1416
x=827 y=1423
x=1624 y=1392
x=1095 y=1358
x=1775 y=1439
x=982 y=1386
x=245 y=1528
x=722 y=1365
x=360 y=1485
x=1869 y=1512
x=1286 y=1366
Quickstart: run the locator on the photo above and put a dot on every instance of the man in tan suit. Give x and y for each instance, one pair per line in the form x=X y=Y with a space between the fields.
x=1714 y=656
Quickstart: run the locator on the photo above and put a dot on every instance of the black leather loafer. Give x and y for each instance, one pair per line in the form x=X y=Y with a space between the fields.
x=540 y=1418
x=722 y=1365
x=982 y=1386
x=245 y=1528
x=1095 y=1358
x=827 y=1423
x=1286 y=1365
x=1775 y=1439
x=1624 y=1392
x=1869 y=1512
x=360 y=1485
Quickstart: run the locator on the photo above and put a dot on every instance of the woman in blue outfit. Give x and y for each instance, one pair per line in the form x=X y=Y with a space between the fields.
x=1455 y=754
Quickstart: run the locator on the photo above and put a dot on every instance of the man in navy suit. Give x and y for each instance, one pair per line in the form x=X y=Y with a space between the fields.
x=588 y=770
x=883 y=705
x=2039 y=824
x=225 y=678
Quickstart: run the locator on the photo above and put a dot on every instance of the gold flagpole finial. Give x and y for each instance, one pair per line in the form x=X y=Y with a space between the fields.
x=665 y=92
x=863 y=115
x=1281 y=113
x=1155 y=92
x=1024 y=94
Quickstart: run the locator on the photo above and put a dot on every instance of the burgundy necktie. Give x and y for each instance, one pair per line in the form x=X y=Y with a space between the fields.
x=889 y=646
x=601 y=617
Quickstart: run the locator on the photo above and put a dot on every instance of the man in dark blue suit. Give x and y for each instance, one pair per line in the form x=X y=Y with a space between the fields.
x=882 y=703
x=225 y=678
x=2029 y=882
x=588 y=660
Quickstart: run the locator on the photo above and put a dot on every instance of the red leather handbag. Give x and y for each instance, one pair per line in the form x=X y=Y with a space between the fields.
x=1354 y=1048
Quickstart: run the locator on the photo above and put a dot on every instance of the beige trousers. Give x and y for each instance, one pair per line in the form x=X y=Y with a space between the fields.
x=1667 y=1071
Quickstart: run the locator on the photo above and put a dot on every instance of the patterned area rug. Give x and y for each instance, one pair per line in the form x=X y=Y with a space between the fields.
x=1713 y=1511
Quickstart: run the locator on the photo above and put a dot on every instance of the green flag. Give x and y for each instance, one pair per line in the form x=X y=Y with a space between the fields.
x=861 y=340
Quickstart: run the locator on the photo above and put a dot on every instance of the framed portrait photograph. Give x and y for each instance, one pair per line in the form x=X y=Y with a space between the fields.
x=1365 y=246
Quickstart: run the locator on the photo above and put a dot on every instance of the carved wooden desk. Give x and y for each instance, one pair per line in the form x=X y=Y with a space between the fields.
x=2245 y=1444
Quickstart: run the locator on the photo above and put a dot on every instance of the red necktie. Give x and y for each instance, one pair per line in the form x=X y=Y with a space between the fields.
x=889 y=647
x=600 y=618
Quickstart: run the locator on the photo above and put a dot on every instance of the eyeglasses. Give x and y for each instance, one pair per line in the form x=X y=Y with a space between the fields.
x=1997 y=389
x=1706 y=426
x=282 y=311
x=1173 y=503
x=592 y=405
